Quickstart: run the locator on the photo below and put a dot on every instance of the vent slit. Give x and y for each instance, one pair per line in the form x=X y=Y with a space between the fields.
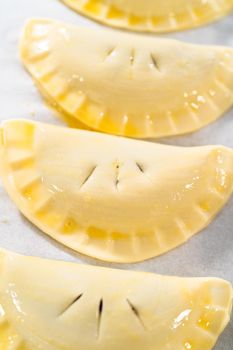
x=136 y=313
x=154 y=62
x=132 y=57
x=109 y=52
x=140 y=167
x=71 y=304
x=99 y=317
x=88 y=176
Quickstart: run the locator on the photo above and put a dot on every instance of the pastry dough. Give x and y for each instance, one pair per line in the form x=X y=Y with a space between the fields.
x=152 y=15
x=126 y=84
x=52 y=305
x=112 y=198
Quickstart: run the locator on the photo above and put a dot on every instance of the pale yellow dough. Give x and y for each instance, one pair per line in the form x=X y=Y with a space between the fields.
x=127 y=84
x=112 y=198
x=152 y=15
x=55 y=305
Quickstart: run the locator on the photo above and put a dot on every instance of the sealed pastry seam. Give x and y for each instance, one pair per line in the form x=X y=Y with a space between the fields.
x=152 y=16
x=126 y=84
x=51 y=305
x=112 y=198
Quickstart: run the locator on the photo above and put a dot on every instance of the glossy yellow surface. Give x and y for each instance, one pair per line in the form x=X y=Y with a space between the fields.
x=52 y=305
x=153 y=15
x=112 y=198
x=127 y=84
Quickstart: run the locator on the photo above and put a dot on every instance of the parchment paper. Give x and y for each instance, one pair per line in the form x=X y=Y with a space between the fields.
x=209 y=253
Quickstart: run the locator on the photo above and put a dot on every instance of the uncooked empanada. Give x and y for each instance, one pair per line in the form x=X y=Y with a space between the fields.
x=126 y=84
x=153 y=15
x=52 y=305
x=112 y=198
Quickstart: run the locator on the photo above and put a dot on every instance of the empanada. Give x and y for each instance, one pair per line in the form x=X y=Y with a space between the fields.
x=112 y=198
x=152 y=15
x=127 y=84
x=52 y=305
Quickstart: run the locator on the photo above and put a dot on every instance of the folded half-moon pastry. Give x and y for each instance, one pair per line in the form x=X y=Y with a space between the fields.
x=112 y=198
x=127 y=84
x=52 y=305
x=152 y=15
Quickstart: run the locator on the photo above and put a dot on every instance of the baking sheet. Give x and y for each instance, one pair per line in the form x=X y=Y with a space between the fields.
x=209 y=253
